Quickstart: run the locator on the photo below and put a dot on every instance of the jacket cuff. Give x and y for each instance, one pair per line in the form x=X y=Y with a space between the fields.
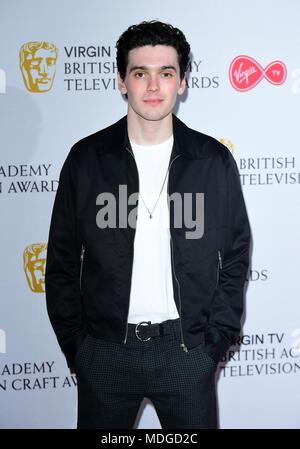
x=215 y=343
x=71 y=345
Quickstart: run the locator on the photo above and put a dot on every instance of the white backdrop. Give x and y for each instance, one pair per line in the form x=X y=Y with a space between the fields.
x=258 y=386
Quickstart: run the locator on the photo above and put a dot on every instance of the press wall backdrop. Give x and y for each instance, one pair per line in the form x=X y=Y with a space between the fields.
x=243 y=89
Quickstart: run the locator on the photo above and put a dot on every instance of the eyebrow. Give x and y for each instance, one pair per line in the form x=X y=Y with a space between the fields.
x=143 y=67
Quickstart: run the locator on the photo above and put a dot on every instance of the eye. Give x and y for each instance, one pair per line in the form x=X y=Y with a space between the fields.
x=167 y=74
x=50 y=61
x=34 y=64
x=139 y=74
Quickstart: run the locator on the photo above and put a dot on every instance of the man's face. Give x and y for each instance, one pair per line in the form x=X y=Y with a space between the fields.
x=40 y=69
x=152 y=81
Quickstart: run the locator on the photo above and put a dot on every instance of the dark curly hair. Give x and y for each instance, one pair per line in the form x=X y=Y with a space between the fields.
x=152 y=33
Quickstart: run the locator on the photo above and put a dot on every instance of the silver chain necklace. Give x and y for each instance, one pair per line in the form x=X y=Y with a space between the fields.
x=151 y=211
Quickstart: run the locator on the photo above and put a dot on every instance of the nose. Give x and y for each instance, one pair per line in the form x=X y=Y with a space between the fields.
x=153 y=83
x=43 y=68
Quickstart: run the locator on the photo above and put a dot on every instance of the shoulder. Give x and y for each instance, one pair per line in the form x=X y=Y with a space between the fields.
x=100 y=141
x=198 y=145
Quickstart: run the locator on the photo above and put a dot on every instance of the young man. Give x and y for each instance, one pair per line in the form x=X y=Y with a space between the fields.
x=148 y=250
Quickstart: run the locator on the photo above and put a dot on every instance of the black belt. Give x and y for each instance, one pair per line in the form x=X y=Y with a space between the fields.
x=144 y=330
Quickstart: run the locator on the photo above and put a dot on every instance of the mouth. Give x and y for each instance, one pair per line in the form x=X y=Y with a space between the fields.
x=153 y=101
x=43 y=80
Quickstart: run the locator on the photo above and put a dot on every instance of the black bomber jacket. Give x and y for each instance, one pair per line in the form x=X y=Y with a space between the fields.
x=88 y=269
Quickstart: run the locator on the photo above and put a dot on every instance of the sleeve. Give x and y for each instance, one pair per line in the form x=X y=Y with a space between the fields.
x=63 y=297
x=228 y=302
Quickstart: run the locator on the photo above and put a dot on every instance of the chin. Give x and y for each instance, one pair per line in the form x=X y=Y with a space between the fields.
x=155 y=116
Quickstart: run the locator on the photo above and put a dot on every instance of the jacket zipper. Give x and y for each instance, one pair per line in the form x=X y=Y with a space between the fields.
x=179 y=296
x=126 y=332
x=81 y=264
x=183 y=346
x=220 y=266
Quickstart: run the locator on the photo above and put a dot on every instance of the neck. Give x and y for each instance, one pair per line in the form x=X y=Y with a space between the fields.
x=148 y=132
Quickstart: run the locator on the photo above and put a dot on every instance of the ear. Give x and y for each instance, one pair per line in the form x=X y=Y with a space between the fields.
x=182 y=85
x=121 y=85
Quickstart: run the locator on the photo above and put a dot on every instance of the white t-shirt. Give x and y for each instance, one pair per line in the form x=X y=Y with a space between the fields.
x=151 y=296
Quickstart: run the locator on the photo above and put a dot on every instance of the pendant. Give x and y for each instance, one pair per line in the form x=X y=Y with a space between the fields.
x=150 y=216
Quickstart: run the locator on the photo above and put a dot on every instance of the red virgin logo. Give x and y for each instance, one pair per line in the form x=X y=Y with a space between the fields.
x=245 y=73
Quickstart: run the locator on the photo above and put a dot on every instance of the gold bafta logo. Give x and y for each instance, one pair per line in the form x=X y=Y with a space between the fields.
x=38 y=65
x=228 y=144
x=34 y=259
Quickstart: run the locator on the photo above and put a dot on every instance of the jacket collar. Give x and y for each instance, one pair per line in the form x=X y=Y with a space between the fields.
x=186 y=144
x=178 y=141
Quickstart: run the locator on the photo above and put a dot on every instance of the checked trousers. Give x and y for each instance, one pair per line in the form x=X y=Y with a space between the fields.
x=113 y=379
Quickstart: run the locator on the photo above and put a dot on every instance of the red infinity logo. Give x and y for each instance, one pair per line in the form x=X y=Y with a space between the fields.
x=245 y=73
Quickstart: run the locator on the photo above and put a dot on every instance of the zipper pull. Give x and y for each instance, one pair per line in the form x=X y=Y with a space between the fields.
x=82 y=252
x=81 y=264
x=184 y=348
x=220 y=260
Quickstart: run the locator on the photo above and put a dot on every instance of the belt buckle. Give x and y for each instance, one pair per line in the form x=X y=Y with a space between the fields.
x=137 y=330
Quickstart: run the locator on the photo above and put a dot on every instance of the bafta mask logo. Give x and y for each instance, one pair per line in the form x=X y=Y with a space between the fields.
x=34 y=258
x=228 y=144
x=38 y=65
